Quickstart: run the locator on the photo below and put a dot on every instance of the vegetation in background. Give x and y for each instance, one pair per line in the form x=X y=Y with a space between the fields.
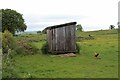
x=79 y=27
x=38 y=32
x=12 y=21
x=44 y=31
x=112 y=27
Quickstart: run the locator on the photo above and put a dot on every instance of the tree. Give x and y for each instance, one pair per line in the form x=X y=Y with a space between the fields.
x=44 y=31
x=38 y=32
x=79 y=27
x=112 y=27
x=12 y=21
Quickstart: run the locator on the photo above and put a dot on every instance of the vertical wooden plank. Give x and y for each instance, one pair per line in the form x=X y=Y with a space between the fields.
x=68 y=38
x=73 y=38
x=58 y=39
x=50 y=35
x=56 y=42
x=49 y=39
x=53 y=40
x=70 y=43
x=61 y=39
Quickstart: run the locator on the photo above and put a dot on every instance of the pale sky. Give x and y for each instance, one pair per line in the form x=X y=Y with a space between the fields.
x=91 y=14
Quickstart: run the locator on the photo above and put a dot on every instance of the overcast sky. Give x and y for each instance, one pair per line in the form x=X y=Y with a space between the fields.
x=91 y=14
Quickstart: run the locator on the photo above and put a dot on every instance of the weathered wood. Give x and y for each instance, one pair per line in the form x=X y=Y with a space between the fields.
x=73 y=39
x=62 y=39
x=48 y=38
x=53 y=40
x=56 y=39
x=68 y=38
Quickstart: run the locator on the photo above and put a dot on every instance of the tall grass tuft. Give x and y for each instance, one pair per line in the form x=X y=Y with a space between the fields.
x=44 y=48
x=77 y=48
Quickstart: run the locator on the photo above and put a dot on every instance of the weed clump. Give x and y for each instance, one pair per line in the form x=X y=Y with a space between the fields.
x=44 y=48
x=26 y=48
x=77 y=48
x=8 y=42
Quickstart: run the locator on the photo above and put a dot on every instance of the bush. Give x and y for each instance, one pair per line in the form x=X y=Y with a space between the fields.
x=44 y=48
x=25 y=48
x=33 y=49
x=77 y=48
x=7 y=42
x=8 y=71
x=9 y=49
x=80 y=38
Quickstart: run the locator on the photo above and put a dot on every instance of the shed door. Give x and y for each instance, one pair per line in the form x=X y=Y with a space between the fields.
x=70 y=38
x=60 y=39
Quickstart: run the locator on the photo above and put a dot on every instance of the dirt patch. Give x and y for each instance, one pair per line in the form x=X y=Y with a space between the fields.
x=65 y=55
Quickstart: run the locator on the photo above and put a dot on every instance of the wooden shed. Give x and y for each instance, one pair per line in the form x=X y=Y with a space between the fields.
x=62 y=38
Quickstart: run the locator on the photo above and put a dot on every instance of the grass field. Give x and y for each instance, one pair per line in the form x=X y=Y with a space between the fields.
x=84 y=65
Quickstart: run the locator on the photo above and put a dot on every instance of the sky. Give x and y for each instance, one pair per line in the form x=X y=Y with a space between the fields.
x=91 y=14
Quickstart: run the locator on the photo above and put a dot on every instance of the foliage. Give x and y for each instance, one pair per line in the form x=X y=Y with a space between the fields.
x=112 y=27
x=44 y=48
x=25 y=48
x=44 y=31
x=12 y=21
x=79 y=27
x=38 y=32
x=8 y=64
x=77 y=48
x=9 y=51
x=8 y=42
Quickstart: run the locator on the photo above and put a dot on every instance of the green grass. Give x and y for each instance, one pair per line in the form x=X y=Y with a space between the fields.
x=82 y=66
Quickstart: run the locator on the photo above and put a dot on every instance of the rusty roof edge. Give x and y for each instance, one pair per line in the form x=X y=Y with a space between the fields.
x=61 y=25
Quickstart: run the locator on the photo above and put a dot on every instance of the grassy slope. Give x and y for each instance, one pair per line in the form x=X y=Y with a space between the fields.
x=82 y=66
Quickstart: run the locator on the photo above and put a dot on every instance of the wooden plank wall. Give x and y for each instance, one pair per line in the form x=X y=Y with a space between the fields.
x=54 y=39
x=67 y=38
x=73 y=38
x=49 y=36
x=48 y=39
x=62 y=39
